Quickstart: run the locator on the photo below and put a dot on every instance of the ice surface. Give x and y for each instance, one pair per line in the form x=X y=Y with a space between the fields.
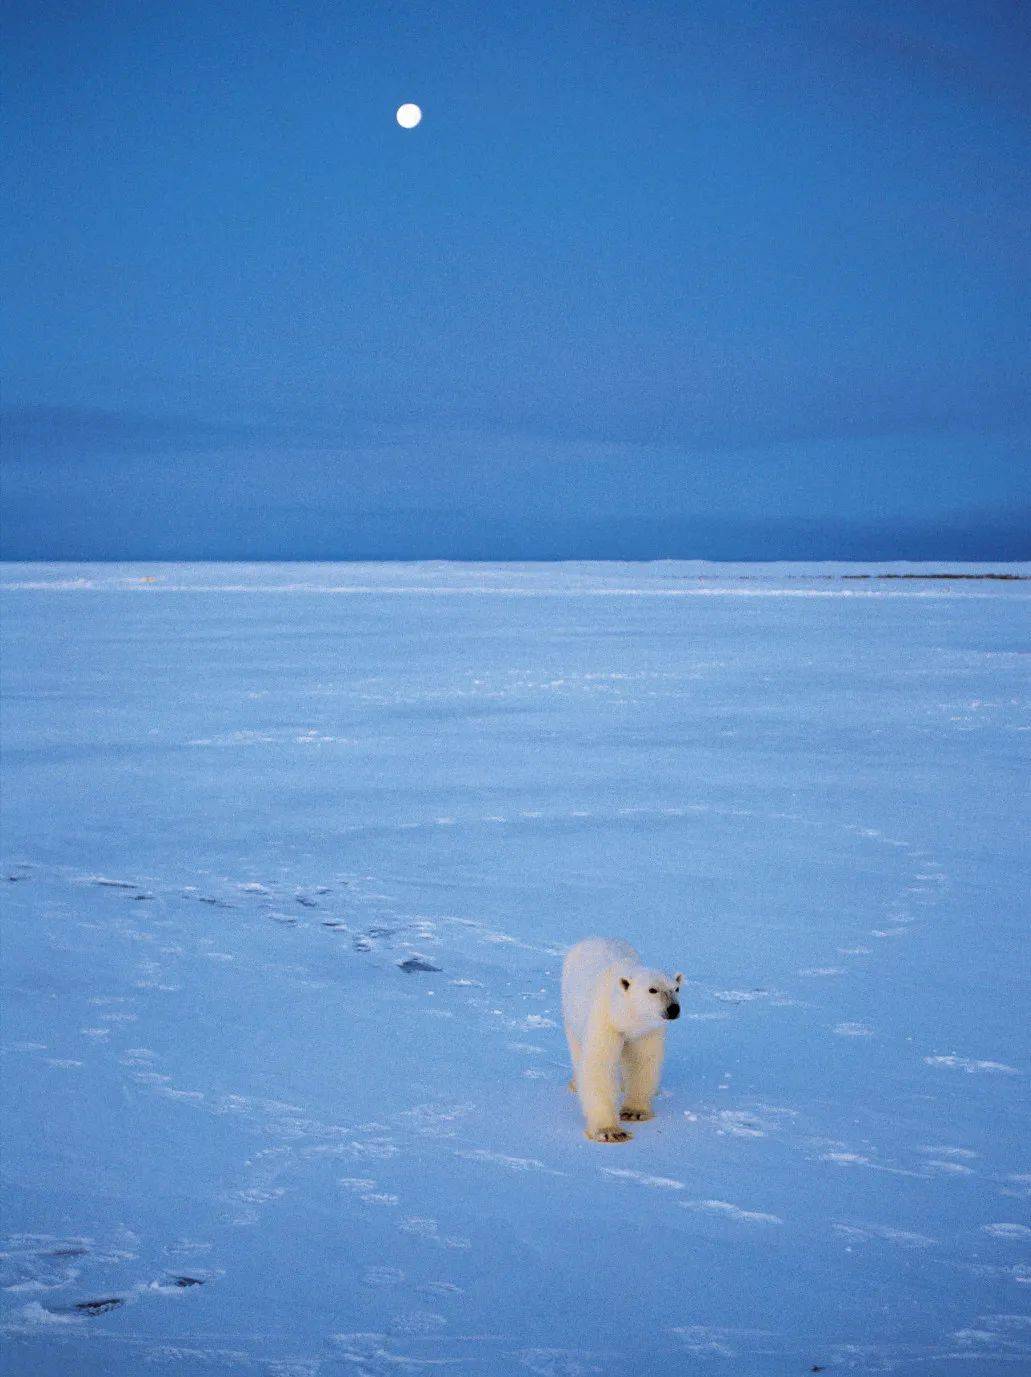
x=251 y=1127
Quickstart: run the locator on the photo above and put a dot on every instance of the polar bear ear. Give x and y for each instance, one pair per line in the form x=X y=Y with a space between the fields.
x=678 y=980
x=624 y=982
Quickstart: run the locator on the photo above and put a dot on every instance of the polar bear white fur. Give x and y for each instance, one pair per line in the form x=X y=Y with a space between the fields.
x=615 y=1012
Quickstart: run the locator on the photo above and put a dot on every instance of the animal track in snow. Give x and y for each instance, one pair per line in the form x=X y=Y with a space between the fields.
x=1014 y=1232
x=663 y=1183
x=860 y=1159
x=376 y=1149
x=972 y=1066
x=725 y=1210
x=702 y=1340
x=364 y=1188
x=427 y=1229
x=500 y=1159
x=903 y=1237
x=418 y=1324
x=378 y=1277
x=556 y=1362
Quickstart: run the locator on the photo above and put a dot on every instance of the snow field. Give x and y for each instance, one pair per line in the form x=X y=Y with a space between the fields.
x=291 y=855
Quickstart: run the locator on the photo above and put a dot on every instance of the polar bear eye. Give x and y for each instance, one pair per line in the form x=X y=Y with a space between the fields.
x=652 y=990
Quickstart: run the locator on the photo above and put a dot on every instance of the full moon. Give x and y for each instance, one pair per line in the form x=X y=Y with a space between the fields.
x=408 y=116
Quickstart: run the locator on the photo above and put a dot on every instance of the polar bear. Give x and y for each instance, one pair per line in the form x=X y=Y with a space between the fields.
x=615 y=1011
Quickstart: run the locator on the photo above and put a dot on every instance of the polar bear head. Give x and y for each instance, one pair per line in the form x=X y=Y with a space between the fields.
x=644 y=1000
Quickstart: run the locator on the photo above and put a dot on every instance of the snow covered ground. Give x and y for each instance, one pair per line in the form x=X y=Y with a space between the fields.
x=290 y=855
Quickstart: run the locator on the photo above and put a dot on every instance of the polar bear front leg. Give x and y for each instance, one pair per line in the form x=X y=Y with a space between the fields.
x=642 y=1068
x=574 y=1057
x=596 y=1084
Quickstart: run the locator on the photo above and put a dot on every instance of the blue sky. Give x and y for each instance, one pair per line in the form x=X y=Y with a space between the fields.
x=720 y=280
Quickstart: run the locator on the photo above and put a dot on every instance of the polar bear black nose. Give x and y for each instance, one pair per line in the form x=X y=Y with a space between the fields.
x=673 y=1011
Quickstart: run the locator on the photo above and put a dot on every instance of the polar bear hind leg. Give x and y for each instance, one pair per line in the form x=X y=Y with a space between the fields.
x=642 y=1068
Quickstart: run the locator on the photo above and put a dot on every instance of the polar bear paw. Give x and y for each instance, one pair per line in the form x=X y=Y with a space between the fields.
x=635 y=1116
x=609 y=1135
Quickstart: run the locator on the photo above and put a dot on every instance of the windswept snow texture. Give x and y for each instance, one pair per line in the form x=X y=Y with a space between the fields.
x=291 y=854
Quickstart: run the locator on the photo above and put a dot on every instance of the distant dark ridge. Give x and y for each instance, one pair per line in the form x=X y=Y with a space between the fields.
x=1001 y=577
x=829 y=578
